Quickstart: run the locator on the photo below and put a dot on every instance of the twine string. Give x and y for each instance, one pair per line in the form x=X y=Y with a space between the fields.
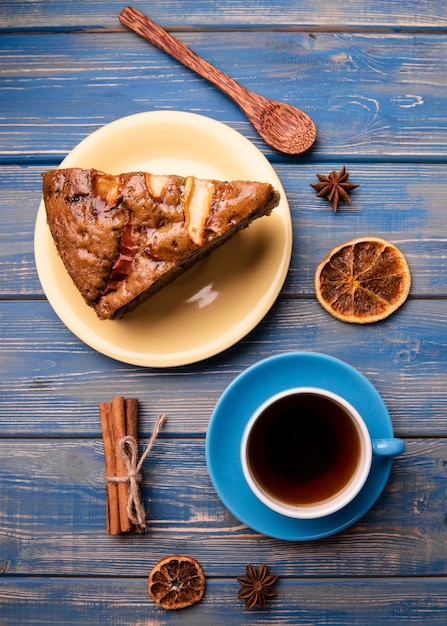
x=128 y=450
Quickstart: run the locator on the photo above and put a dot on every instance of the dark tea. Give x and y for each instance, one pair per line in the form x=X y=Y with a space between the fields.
x=303 y=449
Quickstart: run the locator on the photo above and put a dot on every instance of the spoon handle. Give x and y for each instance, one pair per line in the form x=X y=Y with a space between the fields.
x=146 y=28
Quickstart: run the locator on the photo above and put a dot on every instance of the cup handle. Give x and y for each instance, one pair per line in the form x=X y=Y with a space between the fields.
x=387 y=447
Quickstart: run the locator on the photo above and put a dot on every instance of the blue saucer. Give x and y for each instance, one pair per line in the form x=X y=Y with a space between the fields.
x=245 y=394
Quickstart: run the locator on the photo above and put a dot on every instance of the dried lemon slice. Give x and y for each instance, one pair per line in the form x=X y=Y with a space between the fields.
x=176 y=582
x=363 y=280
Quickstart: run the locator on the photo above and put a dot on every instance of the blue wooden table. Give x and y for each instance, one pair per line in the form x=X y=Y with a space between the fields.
x=373 y=76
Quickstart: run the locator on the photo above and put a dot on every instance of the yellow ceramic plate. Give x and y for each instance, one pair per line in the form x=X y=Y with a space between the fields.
x=215 y=303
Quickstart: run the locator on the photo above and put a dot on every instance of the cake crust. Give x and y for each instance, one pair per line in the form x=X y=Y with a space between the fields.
x=122 y=238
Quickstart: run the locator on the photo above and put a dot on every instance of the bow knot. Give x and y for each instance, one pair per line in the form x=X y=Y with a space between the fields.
x=128 y=450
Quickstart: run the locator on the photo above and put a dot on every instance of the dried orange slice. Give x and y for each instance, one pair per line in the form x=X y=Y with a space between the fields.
x=176 y=582
x=363 y=280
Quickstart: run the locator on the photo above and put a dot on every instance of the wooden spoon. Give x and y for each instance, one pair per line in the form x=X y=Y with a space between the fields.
x=281 y=125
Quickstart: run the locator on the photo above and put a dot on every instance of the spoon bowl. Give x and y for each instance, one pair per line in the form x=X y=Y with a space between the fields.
x=283 y=126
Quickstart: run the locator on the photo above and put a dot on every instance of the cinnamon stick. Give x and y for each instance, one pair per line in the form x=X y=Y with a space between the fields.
x=119 y=428
x=124 y=509
x=131 y=406
x=119 y=418
x=112 y=507
x=131 y=410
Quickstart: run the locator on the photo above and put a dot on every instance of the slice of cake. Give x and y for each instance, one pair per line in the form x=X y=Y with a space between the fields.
x=122 y=238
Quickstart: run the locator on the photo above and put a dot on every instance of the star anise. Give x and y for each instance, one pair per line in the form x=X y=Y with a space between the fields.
x=256 y=586
x=334 y=187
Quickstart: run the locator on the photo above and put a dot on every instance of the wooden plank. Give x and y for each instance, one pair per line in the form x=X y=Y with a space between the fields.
x=349 y=602
x=367 y=100
x=378 y=98
x=52 y=518
x=227 y=14
x=52 y=383
x=405 y=204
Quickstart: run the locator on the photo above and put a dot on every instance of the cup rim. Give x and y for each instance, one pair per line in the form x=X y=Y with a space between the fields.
x=324 y=507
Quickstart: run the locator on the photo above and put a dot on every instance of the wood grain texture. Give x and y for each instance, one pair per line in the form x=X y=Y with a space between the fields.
x=371 y=96
x=56 y=388
x=62 y=483
x=393 y=14
x=372 y=76
x=282 y=126
x=402 y=203
x=299 y=602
